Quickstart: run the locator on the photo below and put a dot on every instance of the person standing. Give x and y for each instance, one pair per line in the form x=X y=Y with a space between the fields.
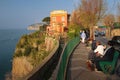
x=83 y=36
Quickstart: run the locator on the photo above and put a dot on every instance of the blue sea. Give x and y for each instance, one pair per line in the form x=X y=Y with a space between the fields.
x=8 y=41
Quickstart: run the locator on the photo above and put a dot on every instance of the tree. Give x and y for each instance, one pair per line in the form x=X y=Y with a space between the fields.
x=118 y=9
x=88 y=13
x=46 y=20
x=108 y=21
x=73 y=31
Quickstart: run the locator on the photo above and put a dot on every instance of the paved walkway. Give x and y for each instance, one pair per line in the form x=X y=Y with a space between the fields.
x=77 y=69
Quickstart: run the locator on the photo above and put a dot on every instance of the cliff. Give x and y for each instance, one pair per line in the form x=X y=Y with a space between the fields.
x=30 y=51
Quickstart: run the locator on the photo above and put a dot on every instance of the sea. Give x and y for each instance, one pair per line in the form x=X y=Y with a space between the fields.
x=8 y=40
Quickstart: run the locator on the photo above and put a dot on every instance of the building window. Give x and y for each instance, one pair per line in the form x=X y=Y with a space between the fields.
x=53 y=18
x=63 y=24
x=63 y=18
x=53 y=24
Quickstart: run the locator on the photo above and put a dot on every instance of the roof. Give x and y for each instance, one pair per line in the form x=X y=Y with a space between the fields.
x=59 y=12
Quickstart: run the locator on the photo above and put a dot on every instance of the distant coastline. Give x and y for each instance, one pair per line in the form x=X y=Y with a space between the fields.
x=33 y=28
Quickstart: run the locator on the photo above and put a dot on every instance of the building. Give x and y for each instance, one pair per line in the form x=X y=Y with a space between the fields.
x=115 y=29
x=58 y=21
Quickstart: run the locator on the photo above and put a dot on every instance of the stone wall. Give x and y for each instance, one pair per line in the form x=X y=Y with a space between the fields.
x=44 y=70
x=50 y=43
x=115 y=32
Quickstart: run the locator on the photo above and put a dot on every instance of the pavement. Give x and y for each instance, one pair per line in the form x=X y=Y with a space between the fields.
x=78 y=70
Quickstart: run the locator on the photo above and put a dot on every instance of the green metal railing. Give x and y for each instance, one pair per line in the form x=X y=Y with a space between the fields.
x=65 y=57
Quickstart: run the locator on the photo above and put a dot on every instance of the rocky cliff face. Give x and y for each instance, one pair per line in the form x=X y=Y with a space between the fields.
x=21 y=67
x=30 y=51
x=49 y=43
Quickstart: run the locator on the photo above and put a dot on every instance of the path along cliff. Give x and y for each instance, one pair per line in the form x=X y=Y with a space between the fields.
x=77 y=67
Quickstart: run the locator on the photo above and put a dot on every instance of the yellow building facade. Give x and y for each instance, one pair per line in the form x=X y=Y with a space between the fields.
x=58 y=20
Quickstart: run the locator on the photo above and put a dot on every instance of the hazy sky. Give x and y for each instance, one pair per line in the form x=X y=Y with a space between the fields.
x=21 y=13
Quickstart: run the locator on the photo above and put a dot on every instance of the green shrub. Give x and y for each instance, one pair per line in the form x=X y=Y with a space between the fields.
x=73 y=31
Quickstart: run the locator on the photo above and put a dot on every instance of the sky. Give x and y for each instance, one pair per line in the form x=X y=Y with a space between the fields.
x=22 y=13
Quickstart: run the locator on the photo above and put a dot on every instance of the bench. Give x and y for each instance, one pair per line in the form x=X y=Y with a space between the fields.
x=108 y=67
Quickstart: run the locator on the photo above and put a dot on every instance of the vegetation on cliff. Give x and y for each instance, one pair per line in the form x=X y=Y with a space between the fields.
x=29 y=44
x=30 y=51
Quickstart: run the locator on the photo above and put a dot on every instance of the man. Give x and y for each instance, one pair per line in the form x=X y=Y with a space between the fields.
x=83 y=36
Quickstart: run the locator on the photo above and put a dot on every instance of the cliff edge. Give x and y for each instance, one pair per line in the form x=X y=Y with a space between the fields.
x=30 y=51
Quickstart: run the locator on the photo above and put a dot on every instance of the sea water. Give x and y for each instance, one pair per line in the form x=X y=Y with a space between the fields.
x=8 y=40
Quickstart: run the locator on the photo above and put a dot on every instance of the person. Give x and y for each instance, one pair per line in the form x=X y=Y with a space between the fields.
x=108 y=56
x=80 y=34
x=83 y=36
x=96 y=53
x=93 y=45
x=109 y=53
x=99 y=51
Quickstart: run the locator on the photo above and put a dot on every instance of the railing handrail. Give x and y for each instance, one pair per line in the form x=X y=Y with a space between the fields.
x=62 y=65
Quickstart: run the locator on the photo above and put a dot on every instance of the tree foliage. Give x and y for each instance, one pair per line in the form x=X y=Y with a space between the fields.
x=118 y=9
x=28 y=43
x=73 y=30
x=108 y=21
x=89 y=12
x=46 y=19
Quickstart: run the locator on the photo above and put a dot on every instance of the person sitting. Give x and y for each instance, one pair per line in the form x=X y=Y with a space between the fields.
x=97 y=53
x=108 y=56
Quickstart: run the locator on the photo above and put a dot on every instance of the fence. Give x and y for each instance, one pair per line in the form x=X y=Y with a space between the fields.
x=65 y=57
